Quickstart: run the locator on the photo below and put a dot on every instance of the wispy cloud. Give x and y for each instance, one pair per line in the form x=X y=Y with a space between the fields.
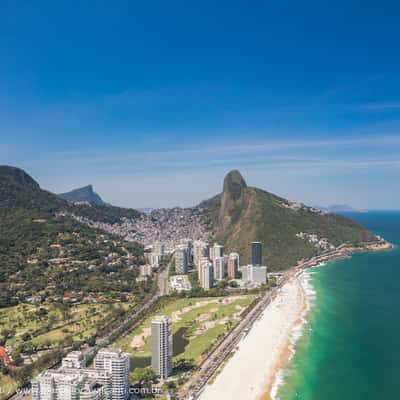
x=225 y=150
x=380 y=106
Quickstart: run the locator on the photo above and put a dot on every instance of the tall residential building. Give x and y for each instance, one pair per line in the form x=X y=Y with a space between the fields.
x=256 y=253
x=219 y=268
x=161 y=346
x=200 y=249
x=202 y=261
x=181 y=259
x=216 y=251
x=158 y=249
x=188 y=243
x=254 y=274
x=233 y=265
x=117 y=364
x=207 y=275
x=158 y=252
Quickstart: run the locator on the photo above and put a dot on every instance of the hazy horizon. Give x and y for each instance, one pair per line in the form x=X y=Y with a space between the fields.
x=218 y=189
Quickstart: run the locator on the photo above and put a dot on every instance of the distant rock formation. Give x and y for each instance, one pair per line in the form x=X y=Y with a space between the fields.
x=83 y=194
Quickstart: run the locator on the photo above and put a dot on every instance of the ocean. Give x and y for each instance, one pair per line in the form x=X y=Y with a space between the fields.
x=350 y=344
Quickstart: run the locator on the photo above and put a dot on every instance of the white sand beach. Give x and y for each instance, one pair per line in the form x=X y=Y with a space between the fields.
x=250 y=373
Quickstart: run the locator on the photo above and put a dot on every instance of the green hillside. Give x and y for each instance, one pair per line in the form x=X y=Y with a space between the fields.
x=42 y=252
x=241 y=214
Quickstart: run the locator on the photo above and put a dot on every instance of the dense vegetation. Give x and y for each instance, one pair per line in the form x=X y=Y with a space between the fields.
x=43 y=254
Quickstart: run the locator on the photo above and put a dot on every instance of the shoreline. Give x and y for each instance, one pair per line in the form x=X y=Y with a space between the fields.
x=288 y=351
x=342 y=252
x=272 y=386
x=258 y=353
x=276 y=330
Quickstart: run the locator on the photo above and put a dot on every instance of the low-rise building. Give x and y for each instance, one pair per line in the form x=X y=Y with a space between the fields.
x=254 y=274
x=179 y=283
x=74 y=382
x=74 y=359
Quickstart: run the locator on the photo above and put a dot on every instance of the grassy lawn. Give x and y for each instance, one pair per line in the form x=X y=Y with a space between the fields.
x=50 y=324
x=7 y=385
x=197 y=323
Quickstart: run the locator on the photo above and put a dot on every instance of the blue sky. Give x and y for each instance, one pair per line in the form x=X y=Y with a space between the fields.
x=153 y=102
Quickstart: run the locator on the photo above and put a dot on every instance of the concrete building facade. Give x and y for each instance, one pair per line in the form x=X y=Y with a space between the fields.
x=254 y=274
x=256 y=253
x=161 y=346
x=181 y=259
x=219 y=268
x=117 y=364
x=233 y=265
x=207 y=275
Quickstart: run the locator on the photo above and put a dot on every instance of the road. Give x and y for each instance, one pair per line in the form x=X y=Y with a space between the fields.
x=163 y=281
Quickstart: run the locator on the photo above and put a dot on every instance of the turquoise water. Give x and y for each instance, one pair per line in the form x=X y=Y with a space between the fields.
x=350 y=347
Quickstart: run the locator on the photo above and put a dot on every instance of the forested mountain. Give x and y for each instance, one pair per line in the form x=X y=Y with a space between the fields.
x=289 y=231
x=44 y=251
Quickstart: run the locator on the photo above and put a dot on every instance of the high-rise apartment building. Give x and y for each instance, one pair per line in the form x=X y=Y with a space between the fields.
x=188 y=243
x=207 y=275
x=161 y=346
x=256 y=253
x=200 y=250
x=158 y=249
x=181 y=259
x=202 y=261
x=117 y=364
x=216 y=251
x=219 y=268
x=233 y=265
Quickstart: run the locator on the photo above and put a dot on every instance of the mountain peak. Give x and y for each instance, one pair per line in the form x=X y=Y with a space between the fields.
x=85 y=193
x=17 y=175
x=88 y=188
x=234 y=184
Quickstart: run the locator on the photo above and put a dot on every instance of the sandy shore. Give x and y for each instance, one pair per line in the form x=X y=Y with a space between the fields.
x=251 y=371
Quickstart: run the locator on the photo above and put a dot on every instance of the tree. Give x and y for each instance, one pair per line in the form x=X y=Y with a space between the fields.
x=144 y=375
x=17 y=359
x=3 y=368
